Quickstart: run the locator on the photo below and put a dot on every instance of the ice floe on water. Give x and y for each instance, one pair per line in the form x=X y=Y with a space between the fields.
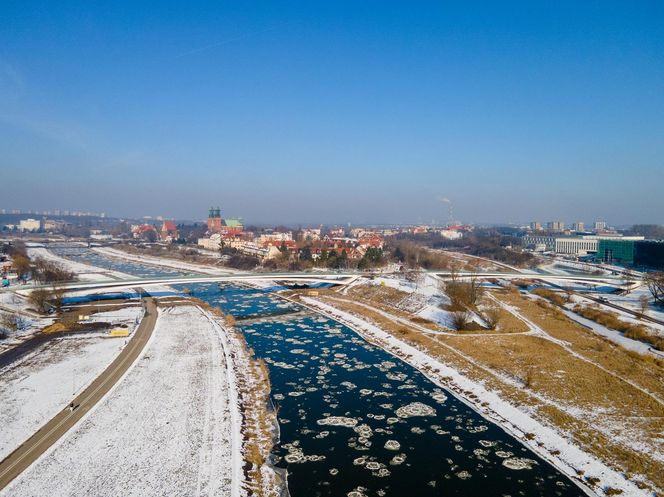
x=415 y=409
x=439 y=396
x=337 y=421
x=392 y=445
x=519 y=463
x=354 y=420
x=296 y=454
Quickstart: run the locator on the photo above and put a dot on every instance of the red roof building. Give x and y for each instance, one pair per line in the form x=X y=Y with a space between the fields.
x=169 y=231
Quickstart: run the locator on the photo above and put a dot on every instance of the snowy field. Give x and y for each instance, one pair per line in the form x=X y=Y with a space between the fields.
x=165 y=429
x=425 y=298
x=41 y=383
x=31 y=322
x=632 y=301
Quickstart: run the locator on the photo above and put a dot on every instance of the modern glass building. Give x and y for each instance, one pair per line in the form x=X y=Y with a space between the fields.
x=648 y=253
x=616 y=251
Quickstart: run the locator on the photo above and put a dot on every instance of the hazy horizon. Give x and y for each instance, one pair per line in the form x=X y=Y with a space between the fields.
x=304 y=113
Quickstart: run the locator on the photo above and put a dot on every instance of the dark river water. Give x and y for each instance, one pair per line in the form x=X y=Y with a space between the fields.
x=355 y=421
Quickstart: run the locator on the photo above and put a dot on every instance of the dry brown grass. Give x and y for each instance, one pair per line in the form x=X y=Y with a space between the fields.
x=526 y=369
x=382 y=294
x=612 y=320
x=551 y=296
x=507 y=321
x=258 y=421
x=646 y=371
x=391 y=300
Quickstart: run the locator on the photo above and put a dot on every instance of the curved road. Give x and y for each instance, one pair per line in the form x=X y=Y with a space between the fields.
x=47 y=435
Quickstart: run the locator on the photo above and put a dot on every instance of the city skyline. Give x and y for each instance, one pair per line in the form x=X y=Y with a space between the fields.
x=579 y=223
x=345 y=113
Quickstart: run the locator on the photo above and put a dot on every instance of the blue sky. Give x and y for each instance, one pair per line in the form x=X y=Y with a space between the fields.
x=335 y=111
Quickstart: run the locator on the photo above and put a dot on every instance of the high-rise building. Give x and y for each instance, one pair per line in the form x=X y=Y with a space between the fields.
x=556 y=226
x=535 y=226
x=579 y=226
x=599 y=225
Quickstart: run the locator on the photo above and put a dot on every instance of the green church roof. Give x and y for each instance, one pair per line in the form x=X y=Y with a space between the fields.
x=233 y=223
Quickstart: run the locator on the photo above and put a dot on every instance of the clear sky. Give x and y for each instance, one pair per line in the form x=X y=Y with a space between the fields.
x=335 y=111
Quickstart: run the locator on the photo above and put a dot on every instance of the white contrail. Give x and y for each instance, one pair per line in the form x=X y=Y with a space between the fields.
x=225 y=42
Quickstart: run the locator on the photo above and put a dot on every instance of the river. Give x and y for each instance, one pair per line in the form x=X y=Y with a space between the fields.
x=356 y=421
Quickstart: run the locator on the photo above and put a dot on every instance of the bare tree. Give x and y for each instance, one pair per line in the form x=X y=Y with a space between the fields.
x=21 y=265
x=40 y=298
x=644 y=303
x=11 y=322
x=57 y=297
x=48 y=272
x=655 y=282
x=415 y=276
x=464 y=294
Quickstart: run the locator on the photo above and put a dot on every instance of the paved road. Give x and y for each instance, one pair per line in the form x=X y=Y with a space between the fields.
x=48 y=434
x=607 y=303
x=634 y=313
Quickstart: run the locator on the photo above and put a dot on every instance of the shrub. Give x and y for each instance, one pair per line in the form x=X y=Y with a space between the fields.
x=49 y=272
x=612 y=320
x=550 y=295
x=39 y=298
x=522 y=284
x=492 y=317
x=461 y=320
x=464 y=294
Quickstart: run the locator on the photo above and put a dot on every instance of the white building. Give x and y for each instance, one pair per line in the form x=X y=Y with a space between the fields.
x=311 y=234
x=451 y=234
x=275 y=237
x=29 y=225
x=570 y=245
x=575 y=246
x=259 y=251
x=212 y=243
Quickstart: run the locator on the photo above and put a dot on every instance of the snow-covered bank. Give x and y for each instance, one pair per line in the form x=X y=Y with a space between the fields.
x=162 y=261
x=615 y=336
x=175 y=424
x=84 y=272
x=164 y=430
x=544 y=440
